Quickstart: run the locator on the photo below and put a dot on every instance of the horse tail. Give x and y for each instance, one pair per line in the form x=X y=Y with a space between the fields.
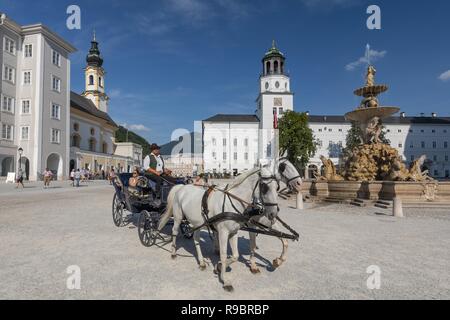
x=169 y=210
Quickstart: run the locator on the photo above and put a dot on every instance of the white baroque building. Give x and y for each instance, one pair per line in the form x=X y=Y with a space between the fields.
x=233 y=143
x=39 y=115
x=412 y=136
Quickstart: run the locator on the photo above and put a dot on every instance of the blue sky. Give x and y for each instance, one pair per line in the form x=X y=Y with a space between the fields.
x=170 y=62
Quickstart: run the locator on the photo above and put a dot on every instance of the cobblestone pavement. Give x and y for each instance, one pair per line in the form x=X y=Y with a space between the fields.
x=42 y=232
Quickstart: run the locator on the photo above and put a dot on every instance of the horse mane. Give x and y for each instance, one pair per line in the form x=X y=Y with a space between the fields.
x=240 y=179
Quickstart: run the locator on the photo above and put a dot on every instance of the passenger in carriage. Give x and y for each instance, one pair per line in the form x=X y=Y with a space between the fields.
x=155 y=169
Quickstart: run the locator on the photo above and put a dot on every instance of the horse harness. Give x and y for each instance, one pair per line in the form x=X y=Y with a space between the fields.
x=244 y=217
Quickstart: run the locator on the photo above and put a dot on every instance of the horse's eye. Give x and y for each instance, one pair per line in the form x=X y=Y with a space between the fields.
x=264 y=188
x=282 y=167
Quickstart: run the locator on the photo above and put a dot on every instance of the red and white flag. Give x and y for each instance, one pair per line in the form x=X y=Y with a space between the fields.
x=275 y=119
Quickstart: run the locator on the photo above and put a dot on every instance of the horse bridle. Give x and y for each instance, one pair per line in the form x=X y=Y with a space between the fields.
x=288 y=182
x=258 y=184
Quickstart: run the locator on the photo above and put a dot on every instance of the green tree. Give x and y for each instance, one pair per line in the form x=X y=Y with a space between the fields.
x=124 y=135
x=296 y=138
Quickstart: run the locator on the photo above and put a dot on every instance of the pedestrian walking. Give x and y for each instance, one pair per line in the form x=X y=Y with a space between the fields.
x=47 y=178
x=72 y=177
x=77 y=177
x=20 y=179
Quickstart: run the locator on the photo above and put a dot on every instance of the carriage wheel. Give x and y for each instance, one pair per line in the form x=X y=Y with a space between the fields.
x=186 y=230
x=147 y=229
x=117 y=211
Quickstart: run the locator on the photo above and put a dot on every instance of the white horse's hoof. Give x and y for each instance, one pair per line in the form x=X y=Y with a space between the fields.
x=277 y=263
x=255 y=270
x=228 y=288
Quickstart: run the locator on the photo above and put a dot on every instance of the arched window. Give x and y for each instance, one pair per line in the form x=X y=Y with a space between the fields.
x=268 y=67
x=92 y=144
x=91 y=80
x=76 y=126
x=275 y=67
x=100 y=81
x=76 y=139
x=105 y=147
x=92 y=131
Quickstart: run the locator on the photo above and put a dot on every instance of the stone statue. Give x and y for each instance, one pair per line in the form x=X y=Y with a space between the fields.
x=371 y=131
x=330 y=172
x=416 y=172
x=371 y=71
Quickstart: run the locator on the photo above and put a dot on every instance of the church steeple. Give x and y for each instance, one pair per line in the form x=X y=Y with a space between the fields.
x=95 y=77
x=94 y=58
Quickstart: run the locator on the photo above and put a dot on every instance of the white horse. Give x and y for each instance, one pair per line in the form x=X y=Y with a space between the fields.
x=186 y=201
x=288 y=174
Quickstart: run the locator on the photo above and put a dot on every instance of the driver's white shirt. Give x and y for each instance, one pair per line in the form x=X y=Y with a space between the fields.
x=159 y=163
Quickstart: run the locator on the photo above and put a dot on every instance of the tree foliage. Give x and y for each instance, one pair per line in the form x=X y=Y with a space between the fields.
x=296 y=138
x=121 y=136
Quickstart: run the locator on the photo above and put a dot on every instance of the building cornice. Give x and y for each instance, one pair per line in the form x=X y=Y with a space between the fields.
x=40 y=28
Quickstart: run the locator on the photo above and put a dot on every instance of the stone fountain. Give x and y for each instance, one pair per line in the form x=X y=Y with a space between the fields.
x=374 y=170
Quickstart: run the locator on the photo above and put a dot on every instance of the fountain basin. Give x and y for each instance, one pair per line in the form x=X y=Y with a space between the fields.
x=371 y=90
x=364 y=115
x=409 y=192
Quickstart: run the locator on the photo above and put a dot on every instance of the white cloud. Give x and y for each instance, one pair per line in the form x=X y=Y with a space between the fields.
x=374 y=56
x=445 y=76
x=114 y=93
x=136 y=127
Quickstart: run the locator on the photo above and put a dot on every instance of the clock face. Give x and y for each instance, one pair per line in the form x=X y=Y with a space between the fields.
x=277 y=84
x=267 y=85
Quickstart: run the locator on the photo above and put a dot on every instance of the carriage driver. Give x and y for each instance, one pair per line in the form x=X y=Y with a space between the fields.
x=155 y=169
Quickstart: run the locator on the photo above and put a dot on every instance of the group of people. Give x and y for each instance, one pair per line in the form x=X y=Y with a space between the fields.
x=47 y=177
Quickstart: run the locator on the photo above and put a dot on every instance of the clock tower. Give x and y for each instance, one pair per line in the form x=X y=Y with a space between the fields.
x=95 y=78
x=275 y=98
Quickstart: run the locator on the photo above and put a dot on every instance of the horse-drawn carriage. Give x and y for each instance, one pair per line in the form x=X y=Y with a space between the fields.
x=143 y=200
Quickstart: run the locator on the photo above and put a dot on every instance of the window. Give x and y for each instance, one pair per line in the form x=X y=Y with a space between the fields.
x=411 y=131
x=246 y=142
x=400 y=145
x=412 y=158
x=100 y=82
x=280 y=110
x=446 y=158
x=246 y=156
x=445 y=131
x=422 y=131
x=214 y=141
x=340 y=130
x=399 y=130
x=235 y=142
x=224 y=156
x=28 y=52
x=235 y=156
x=434 y=144
x=25 y=133
x=76 y=126
x=436 y=173
x=435 y=158
x=433 y=131
x=330 y=130
x=92 y=131
x=214 y=155
x=224 y=142
x=76 y=140
x=7 y=132
x=8 y=104
x=92 y=144
x=446 y=144
x=56 y=58
x=105 y=147
x=55 y=136
x=56 y=111
x=411 y=145
x=9 y=74
x=320 y=130
x=26 y=106
x=422 y=144
x=389 y=130
x=91 y=80
x=26 y=77
x=56 y=84
x=9 y=45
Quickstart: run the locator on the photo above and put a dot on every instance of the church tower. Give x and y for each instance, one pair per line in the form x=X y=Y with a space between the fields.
x=275 y=98
x=95 y=78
